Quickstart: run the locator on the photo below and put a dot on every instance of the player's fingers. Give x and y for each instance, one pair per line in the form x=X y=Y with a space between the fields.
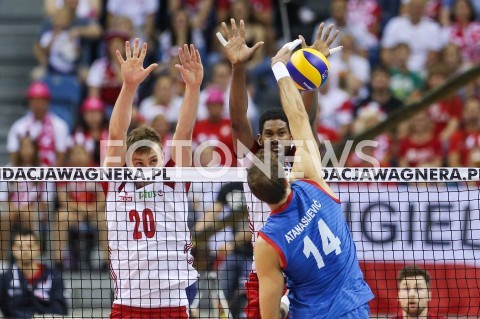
x=227 y=32
x=186 y=52
x=198 y=57
x=181 y=56
x=128 y=53
x=135 y=48
x=292 y=45
x=119 y=57
x=192 y=52
x=304 y=44
x=143 y=53
x=332 y=38
x=242 y=29
x=151 y=67
x=221 y=39
x=327 y=33
x=234 y=27
x=320 y=31
x=257 y=46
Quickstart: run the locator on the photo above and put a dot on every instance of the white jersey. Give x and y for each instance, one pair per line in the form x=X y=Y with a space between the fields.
x=149 y=244
x=258 y=211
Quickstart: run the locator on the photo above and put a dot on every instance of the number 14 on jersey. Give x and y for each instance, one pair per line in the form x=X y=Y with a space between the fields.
x=330 y=243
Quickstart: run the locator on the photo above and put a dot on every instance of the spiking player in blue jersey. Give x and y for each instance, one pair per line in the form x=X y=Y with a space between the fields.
x=306 y=236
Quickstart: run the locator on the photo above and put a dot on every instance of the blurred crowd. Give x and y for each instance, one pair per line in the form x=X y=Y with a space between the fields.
x=393 y=52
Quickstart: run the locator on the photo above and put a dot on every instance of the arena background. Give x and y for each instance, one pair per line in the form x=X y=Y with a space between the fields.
x=436 y=226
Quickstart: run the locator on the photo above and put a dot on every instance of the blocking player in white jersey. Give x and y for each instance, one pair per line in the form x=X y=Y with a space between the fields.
x=148 y=237
x=273 y=129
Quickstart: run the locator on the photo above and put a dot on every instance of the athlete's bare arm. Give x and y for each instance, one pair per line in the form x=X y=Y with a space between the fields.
x=309 y=163
x=310 y=98
x=238 y=53
x=191 y=69
x=271 y=280
x=133 y=74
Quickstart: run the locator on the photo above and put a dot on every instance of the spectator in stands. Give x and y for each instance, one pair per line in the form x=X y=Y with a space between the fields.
x=162 y=101
x=421 y=148
x=216 y=129
x=30 y=287
x=451 y=57
x=58 y=48
x=403 y=82
x=199 y=11
x=85 y=26
x=464 y=146
x=80 y=204
x=364 y=40
x=49 y=131
x=142 y=13
x=180 y=31
x=380 y=95
x=262 y=11
x=84 y=9
x=335 y=112
x=366 y=13
x=414 y=293
x=24 y=199
x=367 y=118
x=423 y=36
x=447 y=112
x=220 y=79
x=465 y=31
x=104 y=79
x=348 y=69
x=92 y=128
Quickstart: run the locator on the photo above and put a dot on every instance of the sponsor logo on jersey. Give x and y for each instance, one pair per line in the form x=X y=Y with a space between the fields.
x=149 y=194
x=125 y=198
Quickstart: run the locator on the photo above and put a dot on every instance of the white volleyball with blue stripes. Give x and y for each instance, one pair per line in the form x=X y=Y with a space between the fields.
x=308 y=68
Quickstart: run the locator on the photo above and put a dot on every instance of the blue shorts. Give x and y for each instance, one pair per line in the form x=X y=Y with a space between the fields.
x=362 y=312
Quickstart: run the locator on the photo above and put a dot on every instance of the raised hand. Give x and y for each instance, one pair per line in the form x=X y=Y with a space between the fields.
x=236 y=49
x=191 y=67
x=322 y=44
x=132 y=69
x=284 y=54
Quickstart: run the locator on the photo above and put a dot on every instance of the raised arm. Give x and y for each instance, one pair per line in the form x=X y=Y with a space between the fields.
x=133 y=74
x=322 y=43
x=309 y=163
x=191 y=69
x=238 y=53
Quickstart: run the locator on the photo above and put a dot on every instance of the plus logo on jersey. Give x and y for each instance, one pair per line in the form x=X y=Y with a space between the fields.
x=149 y=194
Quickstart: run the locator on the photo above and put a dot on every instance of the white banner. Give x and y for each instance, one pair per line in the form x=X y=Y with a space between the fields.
x=400 y=223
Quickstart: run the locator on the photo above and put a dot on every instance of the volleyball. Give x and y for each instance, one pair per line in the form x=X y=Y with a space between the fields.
x=308 y=68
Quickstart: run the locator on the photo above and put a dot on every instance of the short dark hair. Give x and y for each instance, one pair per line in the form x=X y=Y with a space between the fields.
x=272 y=114
x=413 y=271
x=269 y=189
x=143 y=133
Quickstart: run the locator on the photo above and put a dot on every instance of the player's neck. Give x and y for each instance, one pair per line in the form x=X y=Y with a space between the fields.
x=276 y=206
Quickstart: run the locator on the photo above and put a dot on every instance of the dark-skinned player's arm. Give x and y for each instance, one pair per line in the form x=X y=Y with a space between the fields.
x=133 y=74
x=322 y=44
x=191 y=69
x=238 y=53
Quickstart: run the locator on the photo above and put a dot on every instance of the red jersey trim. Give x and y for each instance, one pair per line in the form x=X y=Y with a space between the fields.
x=275 y=246
x=105 y=188
x=321 y=188
x=284 y=206
x=37 y=275
x=138 y=312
